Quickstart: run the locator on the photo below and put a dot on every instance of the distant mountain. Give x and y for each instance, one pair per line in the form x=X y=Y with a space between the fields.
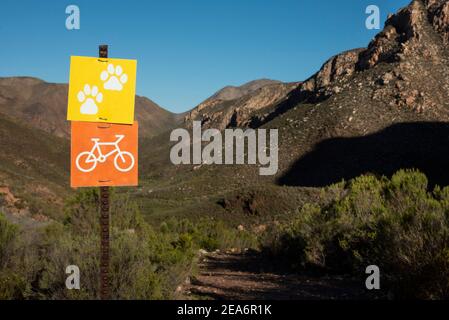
x=44 y=106
x=241 y=106
x=235 y=92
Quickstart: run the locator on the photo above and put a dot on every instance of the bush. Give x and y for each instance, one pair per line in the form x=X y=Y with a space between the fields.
x=146 y=262
x=210 y=234
x=11 y=284
x=396 y=224
x=7 y=234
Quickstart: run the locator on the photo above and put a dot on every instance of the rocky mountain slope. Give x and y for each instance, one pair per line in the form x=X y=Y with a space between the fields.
x=44 y=105
x=369 y=110
x=240 y=106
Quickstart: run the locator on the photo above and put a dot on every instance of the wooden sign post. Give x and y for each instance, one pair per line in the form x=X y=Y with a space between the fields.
x=104 y=224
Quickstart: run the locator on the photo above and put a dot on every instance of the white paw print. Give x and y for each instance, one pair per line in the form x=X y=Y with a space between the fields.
x=114 y=78
x=88 y=96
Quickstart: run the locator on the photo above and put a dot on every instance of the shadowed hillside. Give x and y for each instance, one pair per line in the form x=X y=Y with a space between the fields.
x=420 y=145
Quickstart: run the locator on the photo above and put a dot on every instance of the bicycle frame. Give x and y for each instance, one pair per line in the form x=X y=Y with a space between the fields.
x=97 y=146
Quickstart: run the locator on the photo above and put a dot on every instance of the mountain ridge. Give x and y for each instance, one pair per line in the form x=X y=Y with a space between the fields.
x=234 y=92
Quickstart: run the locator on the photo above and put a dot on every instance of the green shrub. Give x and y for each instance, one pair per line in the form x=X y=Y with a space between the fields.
x=12 y=285
x=146 y=263
x=210 y=234
x=396 y=224
x=7 y=234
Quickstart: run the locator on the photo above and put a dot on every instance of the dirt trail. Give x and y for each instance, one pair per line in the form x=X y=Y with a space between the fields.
x=243 y=276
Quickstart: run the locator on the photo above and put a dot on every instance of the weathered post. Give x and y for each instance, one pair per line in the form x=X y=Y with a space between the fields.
x=104 y=224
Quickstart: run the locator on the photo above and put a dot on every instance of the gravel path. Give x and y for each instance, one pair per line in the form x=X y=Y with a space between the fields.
x=227 y=276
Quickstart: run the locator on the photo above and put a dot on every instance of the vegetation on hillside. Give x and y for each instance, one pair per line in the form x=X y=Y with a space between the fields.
x=396 y=224
x=146 y=262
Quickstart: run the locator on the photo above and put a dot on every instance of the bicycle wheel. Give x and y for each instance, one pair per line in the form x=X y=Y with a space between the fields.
x=124 y=161
x=83 y=164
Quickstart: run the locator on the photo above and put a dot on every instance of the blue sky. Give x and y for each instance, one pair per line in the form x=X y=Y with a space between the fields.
x=186 y=49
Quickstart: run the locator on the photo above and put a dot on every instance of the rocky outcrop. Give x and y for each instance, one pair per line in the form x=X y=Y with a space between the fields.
x=240 y=112
x=341 y=65
x=407 y=29
x=407 y=36
x=439 y=16
x=399 y=29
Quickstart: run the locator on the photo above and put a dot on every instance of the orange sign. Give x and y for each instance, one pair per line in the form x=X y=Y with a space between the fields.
x=103 y=154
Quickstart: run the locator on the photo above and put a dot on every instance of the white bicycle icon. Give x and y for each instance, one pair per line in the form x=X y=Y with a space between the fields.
x=87 y=161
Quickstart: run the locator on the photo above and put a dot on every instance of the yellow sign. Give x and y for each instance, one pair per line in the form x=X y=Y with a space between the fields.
x=102 y=90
